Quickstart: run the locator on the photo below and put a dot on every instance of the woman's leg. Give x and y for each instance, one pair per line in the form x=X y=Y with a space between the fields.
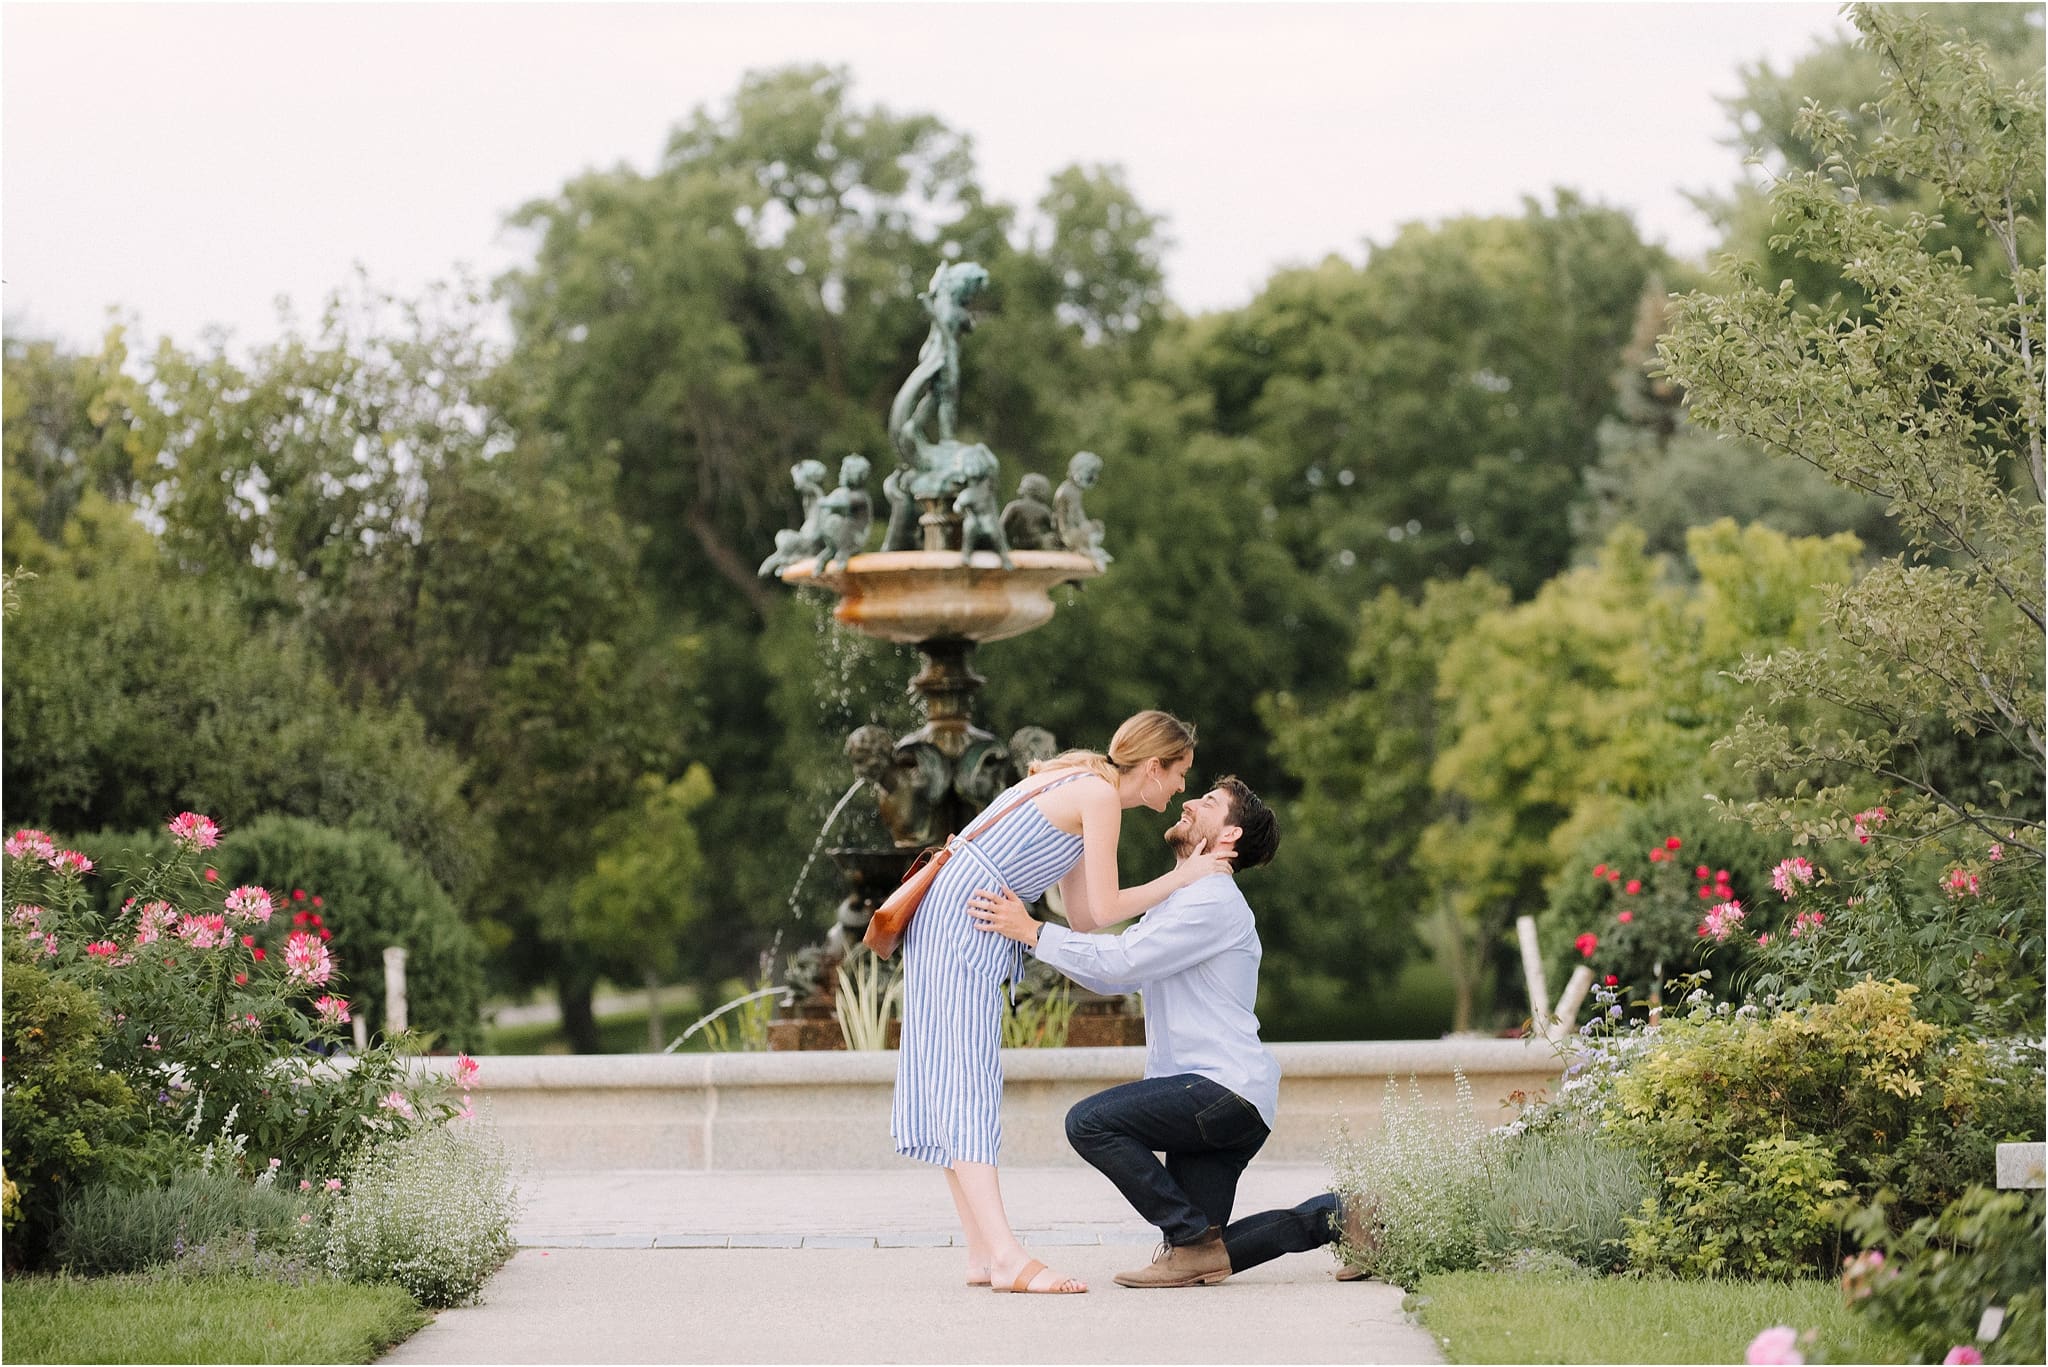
x=978 y=1187
x=977 y=1241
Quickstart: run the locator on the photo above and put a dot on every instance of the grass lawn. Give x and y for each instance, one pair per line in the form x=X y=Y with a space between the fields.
x=201 y=1319
x=1493 y=1317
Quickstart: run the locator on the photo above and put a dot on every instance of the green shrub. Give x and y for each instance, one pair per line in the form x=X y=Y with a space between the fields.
x=431 y=1211
x=66 y=1118
x=373 y=895
x=1945 y=1271
x=1559 y=1191
x=1769 y=1216
x=1748 y=1118
x=120 y=1227
x=1419 y=1185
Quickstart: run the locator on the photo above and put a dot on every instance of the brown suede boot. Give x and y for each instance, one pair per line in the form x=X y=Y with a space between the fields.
x=1203 y=1263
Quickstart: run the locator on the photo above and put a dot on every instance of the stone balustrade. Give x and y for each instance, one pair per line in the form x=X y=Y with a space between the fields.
x=830 y=1109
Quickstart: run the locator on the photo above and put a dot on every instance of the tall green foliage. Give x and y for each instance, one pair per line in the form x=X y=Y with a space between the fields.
x=1927 y=391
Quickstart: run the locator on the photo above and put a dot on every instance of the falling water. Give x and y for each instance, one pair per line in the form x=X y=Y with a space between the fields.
x=819 y=843
x=711 y=1016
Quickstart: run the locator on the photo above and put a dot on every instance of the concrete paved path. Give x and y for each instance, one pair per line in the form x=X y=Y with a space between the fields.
x=823 y=1267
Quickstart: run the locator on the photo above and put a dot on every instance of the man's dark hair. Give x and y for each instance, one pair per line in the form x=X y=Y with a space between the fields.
x=1261 y=836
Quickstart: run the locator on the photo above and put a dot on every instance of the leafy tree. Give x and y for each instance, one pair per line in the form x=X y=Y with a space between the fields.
x=1846 y=76
x=1430 y=412
x=130 y=694
x=638 y=905
x=1660 y=473
x=1927 y=394
x=1363 y=763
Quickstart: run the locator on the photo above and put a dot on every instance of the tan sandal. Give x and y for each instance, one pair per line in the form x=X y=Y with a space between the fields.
x=1065 y=1286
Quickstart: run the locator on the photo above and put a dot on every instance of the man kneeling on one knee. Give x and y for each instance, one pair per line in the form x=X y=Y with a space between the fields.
x=1210 y=1087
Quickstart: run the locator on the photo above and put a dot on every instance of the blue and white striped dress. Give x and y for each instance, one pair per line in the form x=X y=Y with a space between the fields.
x=949 y=1073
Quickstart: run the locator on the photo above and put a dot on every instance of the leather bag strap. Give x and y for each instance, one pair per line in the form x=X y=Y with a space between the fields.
x=967 y=836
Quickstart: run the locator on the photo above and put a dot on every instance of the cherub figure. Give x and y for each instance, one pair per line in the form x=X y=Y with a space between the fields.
x=803 y=541
x=845 y=514
x=909 y=782
x=974 y=469
x=1027 y=518
x=1079 y=532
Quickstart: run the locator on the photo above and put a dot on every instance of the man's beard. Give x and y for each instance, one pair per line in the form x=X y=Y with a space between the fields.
x=1180 y=838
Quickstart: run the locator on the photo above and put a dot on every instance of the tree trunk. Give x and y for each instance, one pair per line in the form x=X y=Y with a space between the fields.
x=573 y=990
x=1451 y=946
x=655 y=1034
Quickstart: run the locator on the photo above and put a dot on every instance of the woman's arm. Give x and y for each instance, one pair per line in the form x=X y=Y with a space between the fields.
x=1101 y=902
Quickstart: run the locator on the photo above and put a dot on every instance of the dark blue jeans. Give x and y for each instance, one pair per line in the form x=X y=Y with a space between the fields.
x=1207 y=1134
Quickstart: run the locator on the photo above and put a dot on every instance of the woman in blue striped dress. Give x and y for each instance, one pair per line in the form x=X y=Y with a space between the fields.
x=949 y=1075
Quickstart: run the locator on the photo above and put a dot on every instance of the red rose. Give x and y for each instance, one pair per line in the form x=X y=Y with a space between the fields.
x=1613 y=981
x=258 y=952
x=1634 y=886
x=1625 y=917
x=1599 y=870
x=1587 y=943
x=1701 y=873
x=1673 y=842
x=298 y=894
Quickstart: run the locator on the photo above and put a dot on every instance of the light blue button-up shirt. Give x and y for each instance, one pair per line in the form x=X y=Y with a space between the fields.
x=1195 y=956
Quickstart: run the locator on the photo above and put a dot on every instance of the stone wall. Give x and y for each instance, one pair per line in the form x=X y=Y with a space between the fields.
x=829 y=1110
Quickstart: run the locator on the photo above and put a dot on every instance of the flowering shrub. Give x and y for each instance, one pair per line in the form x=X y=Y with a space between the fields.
x=1419 y=1185
x=195 y=1021
x=1657 y=898
x=431 y=1210
x=1965 y=1283
x=112 y=1227
x=1963 y=924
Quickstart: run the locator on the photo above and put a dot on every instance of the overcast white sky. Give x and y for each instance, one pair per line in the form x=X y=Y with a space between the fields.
x=191 y=163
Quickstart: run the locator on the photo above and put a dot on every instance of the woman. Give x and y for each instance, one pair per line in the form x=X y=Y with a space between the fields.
x=949 y=1079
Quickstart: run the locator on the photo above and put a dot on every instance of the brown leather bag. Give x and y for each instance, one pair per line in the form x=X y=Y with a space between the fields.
x=892 y=918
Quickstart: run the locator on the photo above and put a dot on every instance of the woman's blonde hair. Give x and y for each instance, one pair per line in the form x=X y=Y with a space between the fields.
x=1148 y=735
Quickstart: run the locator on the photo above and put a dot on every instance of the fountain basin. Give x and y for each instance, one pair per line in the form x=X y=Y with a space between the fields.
x=911 y=597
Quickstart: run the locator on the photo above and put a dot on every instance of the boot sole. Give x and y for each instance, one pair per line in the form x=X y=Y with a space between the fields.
x=1203 y=1279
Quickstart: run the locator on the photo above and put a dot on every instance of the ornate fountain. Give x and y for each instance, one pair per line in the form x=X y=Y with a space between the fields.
x=957 y=567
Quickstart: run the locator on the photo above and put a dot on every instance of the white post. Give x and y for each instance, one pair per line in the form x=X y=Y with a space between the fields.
x=1532 y=972
x=362 y=1029
x=394 y=990
x=1568 y=1005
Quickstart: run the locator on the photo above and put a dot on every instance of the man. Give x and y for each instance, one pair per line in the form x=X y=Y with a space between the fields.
x=1210 y=1087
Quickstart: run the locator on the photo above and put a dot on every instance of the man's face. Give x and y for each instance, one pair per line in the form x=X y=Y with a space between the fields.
x=1202 y=819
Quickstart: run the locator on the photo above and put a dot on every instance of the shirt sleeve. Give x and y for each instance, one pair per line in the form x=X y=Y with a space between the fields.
x=1158 y=946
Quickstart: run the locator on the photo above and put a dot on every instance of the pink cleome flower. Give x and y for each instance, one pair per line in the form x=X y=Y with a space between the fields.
x=334 y=1184
x=1963 y=1353
x=154 y=919
x=466 y=1069
x=1863 y=821
x=332 y=1010
x=27 y=915
x=395 y=1101
x=1961 y=883
x=70 y=862
x=1777 y=1346
x=306 y=959
x=30 y=844
x=194 y=831
x=249 y=904
x=1805 y=921
x=1790 y=876
x=1722 y=920
x=103 y=949
x=203 y=932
